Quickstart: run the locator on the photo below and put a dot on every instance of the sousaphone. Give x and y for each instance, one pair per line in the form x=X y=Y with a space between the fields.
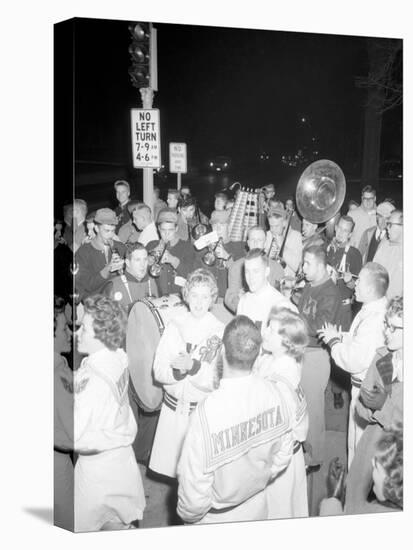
x=320 y=192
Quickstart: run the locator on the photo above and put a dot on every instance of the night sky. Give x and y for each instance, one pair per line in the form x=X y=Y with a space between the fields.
x=227 y=91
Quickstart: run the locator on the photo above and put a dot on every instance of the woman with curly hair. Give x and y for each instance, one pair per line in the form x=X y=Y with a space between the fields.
x=385 y=476
x=285 y=339
x=108 y=485
x=185 y=364
x=388 y=468
x=63 y=420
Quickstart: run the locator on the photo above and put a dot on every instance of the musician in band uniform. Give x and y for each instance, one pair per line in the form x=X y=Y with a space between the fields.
x=345 y=260
x=135 y=283
x=100 y=259
x=189 y=216
x=179 y=257
x=226 y=252
x=278 y=236
x=320 y=302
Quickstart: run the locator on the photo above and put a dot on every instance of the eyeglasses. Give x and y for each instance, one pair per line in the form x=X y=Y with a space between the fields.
x=391 y=328
x=390 y=224
x=368 y=198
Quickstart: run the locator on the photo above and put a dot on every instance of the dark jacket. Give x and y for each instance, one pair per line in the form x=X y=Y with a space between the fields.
x=134 y=290
x=183 y=250
x=90 y=261
x=320 y=304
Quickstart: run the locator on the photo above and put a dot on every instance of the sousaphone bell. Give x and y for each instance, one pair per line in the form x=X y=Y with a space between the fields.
x=320 y=192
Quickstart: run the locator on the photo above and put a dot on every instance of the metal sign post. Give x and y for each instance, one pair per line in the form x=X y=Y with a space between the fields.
x=146 y=144
x=178 y=161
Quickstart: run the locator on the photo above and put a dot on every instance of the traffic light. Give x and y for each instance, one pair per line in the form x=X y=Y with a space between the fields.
x=143 y=54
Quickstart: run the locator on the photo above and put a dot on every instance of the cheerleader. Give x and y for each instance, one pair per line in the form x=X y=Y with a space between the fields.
x=284 y=341
x=185 y=364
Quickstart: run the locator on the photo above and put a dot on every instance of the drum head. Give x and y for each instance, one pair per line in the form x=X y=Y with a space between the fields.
x=142 y=338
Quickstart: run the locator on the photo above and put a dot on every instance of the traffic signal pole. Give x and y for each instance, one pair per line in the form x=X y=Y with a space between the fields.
x=144 y=76
x=147 y=103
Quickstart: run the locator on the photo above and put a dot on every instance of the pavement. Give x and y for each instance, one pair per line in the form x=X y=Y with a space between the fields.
x=160 y=492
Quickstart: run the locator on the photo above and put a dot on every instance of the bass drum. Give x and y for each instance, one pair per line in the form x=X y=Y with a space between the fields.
x=146 y=323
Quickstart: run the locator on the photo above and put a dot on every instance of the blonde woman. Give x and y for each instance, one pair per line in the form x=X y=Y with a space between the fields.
x=284 y=341
x=185 y=364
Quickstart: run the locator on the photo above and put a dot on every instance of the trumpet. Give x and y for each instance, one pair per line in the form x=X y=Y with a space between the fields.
x=276 y=253
x=116 y=255
x=292 y=287
x=210 y=257
x=155 y=258
x=199 y=229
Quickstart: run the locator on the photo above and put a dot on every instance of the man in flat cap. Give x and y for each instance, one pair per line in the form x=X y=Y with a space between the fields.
x=101 y=258
x=177 y=260
x=372 y=236
x=122 y=190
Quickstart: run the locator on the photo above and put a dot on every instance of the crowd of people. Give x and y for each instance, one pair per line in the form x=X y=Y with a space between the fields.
x=241 y=366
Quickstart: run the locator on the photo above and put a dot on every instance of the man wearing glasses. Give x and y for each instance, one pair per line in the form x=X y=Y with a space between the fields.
x=390 y=253
x=365 y=215
x=372 y=237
